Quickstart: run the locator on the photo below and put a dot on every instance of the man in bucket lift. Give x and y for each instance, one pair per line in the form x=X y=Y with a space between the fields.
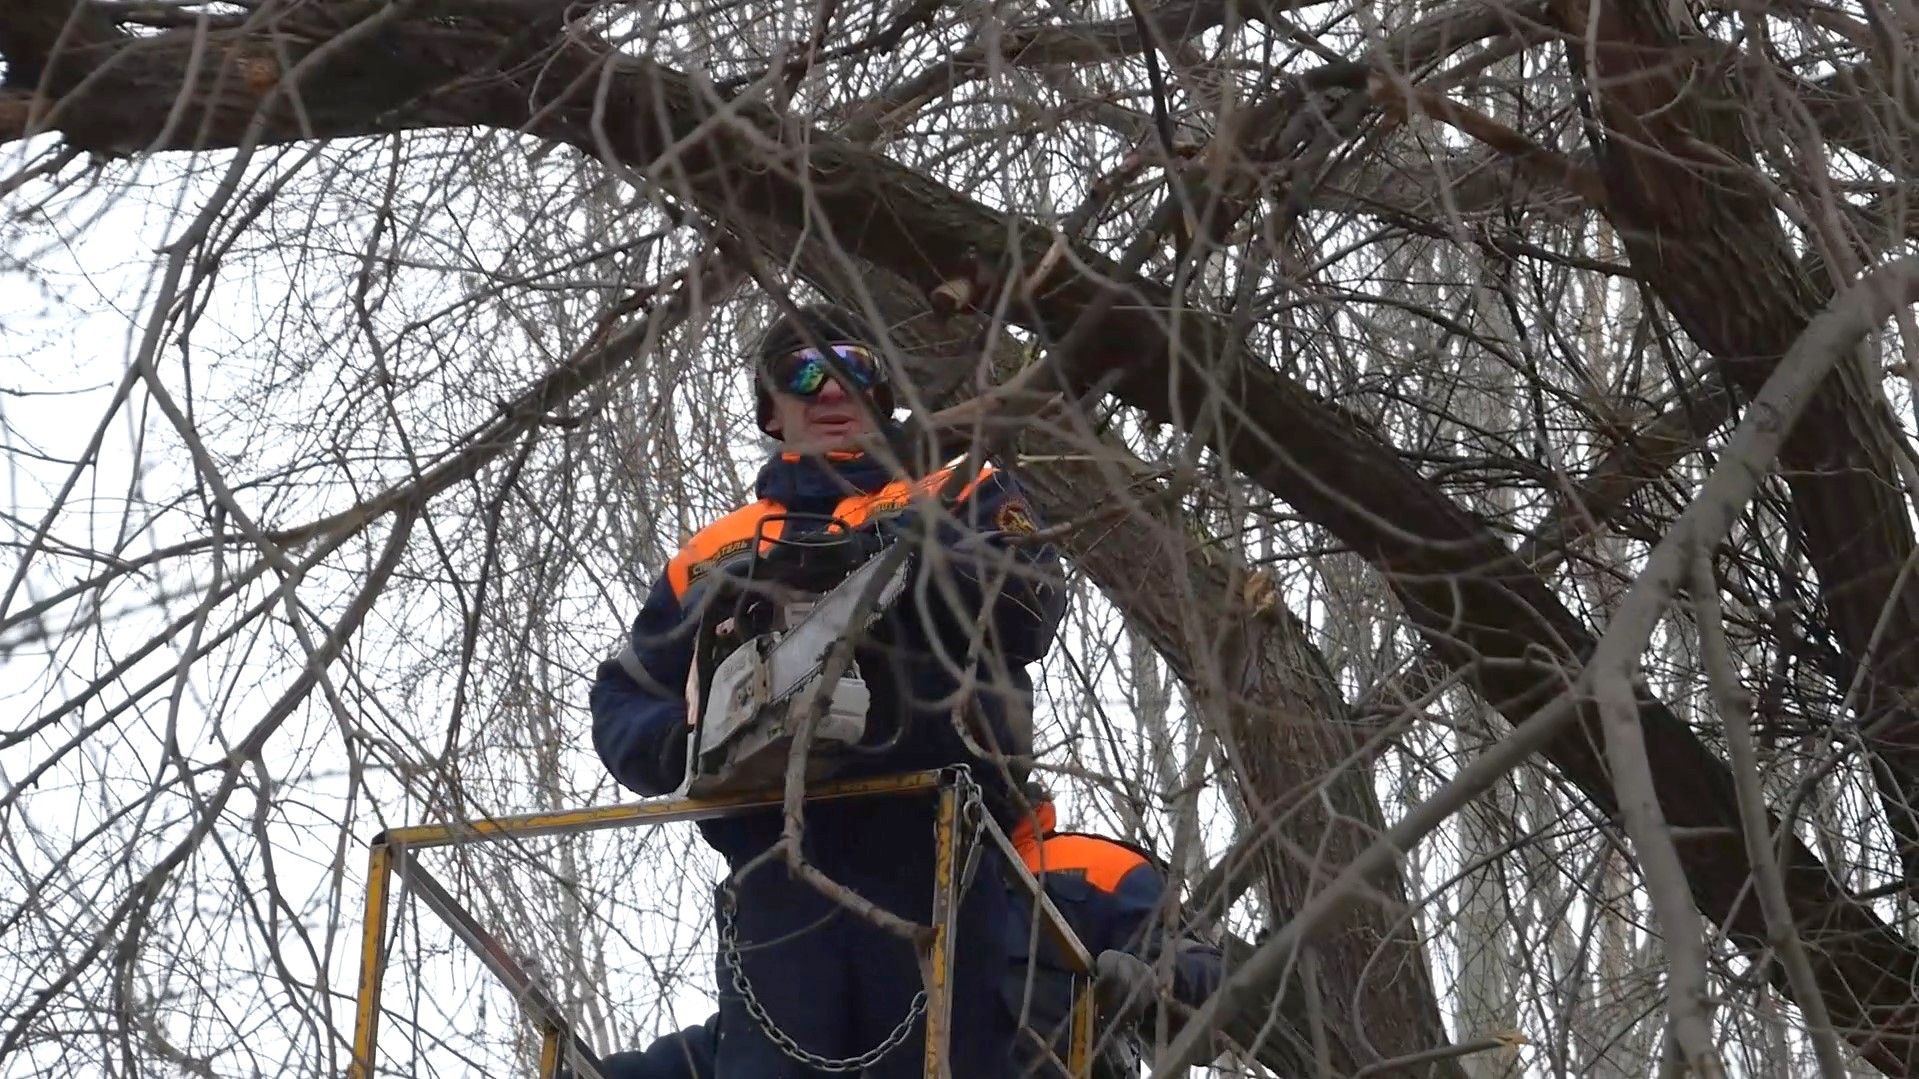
x=945 y=667
x=1111 y=893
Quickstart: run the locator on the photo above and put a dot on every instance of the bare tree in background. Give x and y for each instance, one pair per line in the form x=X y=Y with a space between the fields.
x=364 y=358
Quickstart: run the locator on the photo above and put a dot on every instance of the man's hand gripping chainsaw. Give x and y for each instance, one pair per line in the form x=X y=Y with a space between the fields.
x=761 y=658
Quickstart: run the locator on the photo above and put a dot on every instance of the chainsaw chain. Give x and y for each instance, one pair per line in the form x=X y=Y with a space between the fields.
x=972 y=809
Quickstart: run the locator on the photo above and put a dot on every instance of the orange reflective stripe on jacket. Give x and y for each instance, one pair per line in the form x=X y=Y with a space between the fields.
x=733 y=533
x=719 y=541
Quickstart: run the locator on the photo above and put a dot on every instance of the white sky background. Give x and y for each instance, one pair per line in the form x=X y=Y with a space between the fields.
x=279 y=386
x=91 y=335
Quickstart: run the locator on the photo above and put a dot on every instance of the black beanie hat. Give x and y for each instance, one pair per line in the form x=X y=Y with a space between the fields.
x=809 y=327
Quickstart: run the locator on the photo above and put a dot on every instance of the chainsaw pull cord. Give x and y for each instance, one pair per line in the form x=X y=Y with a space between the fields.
x=972 y=828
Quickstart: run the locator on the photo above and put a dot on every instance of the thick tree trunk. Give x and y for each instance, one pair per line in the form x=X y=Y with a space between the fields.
x=1699 y=222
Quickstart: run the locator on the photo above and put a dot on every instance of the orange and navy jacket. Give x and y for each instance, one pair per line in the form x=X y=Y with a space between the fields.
x=1110 y=893
x=639 y=698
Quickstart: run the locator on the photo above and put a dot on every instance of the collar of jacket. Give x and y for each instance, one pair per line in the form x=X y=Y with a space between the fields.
x=796 y=481
x=1027 y=838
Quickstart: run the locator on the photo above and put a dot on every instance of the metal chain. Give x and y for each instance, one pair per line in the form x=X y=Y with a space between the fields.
x=972 y=808
x=729 y=948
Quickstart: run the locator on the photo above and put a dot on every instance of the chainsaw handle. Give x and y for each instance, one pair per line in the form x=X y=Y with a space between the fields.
x=810 y=561
x=799 y=539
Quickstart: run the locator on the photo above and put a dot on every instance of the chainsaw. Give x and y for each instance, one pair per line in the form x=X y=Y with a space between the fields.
x=761 y=657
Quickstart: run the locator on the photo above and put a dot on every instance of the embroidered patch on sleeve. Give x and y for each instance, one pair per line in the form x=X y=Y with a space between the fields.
x=1013 y=517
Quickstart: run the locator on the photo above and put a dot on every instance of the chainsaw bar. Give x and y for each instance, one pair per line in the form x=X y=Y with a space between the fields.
x=801 y=652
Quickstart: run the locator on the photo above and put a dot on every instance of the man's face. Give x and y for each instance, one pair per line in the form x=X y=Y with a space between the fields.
x=826 y=419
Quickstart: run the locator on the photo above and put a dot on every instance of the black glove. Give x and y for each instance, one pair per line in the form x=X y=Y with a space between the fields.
x=672 y=755
x=1123 y=985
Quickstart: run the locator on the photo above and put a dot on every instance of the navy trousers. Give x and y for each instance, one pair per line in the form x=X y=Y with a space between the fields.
x=836 y=984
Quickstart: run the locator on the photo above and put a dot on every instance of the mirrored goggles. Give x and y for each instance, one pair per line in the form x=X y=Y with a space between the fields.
x=802 y=373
